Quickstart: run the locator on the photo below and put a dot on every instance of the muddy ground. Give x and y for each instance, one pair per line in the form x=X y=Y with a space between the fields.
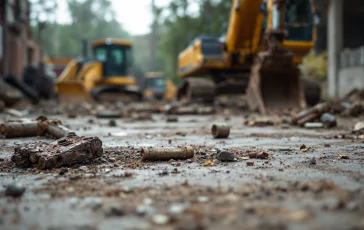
x=292 y=189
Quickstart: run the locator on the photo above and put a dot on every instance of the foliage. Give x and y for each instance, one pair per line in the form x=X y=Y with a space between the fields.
x=89 y=19
x=315 y=66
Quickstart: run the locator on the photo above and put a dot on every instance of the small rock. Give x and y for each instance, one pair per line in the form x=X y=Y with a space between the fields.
x=313 y=161
x=172 y=119
x=148 y=201
x=160 y=219
x=83 y=168
x=177 y=209
x=112 y=123
x=14 y=190
x=114 y=211
x=63 y=171
x=250 y=163
x=144 y=210
x=225 y=156
x=328 y=120
x=203 y=199
x=163 y=173
x=359 y=126
x=72 y=115
x=313 y=125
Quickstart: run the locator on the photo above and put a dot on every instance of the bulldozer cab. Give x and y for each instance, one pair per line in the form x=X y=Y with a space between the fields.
x=155 y=86
x=115 y=56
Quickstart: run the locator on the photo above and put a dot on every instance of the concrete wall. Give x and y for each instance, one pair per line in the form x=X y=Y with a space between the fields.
x=350 y=78
x=351 y=71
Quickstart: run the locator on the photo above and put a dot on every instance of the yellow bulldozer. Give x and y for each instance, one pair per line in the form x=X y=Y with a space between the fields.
x=106 y=76
x=258 y=54
x=158 y=87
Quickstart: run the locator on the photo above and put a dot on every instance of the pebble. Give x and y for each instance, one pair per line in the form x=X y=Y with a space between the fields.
x=14 y=190
x=225 y=156
x=148 y=201
x=112 y=123
x=160 y=219
x=83 y=168
x=144 y=210
x=114 y=211
x=177 y=209
x=203 y=199
x=313 y=161
x=328 y=120
x=163 y=173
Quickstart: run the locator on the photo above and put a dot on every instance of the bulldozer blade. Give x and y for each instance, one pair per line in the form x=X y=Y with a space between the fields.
x=71 y=90
x=115 y=93
x=275 y=83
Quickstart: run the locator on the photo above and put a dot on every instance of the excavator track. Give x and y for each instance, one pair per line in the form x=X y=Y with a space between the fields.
x=197 y=89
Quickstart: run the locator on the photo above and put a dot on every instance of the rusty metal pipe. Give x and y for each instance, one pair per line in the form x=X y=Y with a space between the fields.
x=21 y=129
x=220 y=130
x=58 y=131
x=167 y=153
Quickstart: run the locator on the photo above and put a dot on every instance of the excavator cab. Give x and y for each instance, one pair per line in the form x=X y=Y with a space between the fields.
x=106 y=76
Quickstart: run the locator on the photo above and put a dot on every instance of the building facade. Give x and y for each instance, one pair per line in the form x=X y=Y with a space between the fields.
x=18 y=49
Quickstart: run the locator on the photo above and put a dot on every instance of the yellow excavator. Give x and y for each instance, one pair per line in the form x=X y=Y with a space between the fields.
x=259 y=54
x=157 y=87
x=106 y=76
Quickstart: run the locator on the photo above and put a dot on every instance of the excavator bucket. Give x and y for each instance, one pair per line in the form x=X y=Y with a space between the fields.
x=275 y=83
x=71 y=90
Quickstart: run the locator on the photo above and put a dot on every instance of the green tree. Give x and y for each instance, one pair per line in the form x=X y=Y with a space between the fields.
x=91 y=20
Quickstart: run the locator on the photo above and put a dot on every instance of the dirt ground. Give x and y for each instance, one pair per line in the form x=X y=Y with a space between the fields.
x=292 y=189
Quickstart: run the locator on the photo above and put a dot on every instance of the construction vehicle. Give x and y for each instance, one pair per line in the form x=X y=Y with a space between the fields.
x=158 y=87
x=104 y=77
x=57 y=65
x=258 y=55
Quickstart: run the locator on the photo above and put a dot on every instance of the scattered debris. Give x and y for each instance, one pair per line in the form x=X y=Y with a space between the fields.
x=112 y=123
x=65 y=151
x=250 y=163
x=14 y=190
x=328 y=120
x=109 y=114
x=160 y=219
x=115 y=212
x=225 y=156
x=8 y=94
x=259 y=122
x=314 y=125
x=208 y=163
x=343 y=156
x=313 y=161
x=14 y=112
x=38 y=127
x=220 y=130
x=303 y=148
x=259 y=155
x=167 y=153
x=359 y=126
x=143 y=116
x=172 y=119
x=311 y=114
